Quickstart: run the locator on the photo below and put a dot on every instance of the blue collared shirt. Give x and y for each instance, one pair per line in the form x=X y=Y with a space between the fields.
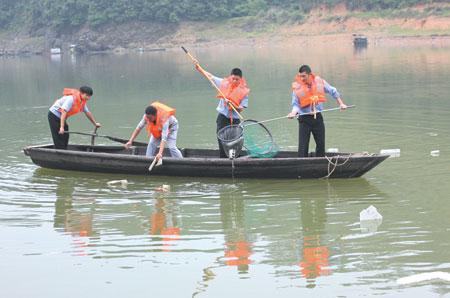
x=222 y=107
x=319 y=107
x=168 y=129
x=65 y=103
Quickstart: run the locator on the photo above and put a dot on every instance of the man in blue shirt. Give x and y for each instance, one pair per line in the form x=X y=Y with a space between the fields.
x=308 y=96
x=235 y=89
x=73 y=102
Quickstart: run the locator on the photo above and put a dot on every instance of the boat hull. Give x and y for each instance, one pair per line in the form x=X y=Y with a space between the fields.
x=202 y=163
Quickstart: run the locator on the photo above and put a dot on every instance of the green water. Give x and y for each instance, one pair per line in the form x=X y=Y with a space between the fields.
x=69 y=234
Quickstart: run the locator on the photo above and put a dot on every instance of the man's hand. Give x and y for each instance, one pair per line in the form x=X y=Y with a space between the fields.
x=158 y=156
x=97 y=124
x=128 y=144
x=292 y=114
x=343 y=106
x=61 y=130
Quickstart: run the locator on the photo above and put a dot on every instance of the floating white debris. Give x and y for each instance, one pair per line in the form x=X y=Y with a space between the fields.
x=333 y=150
x=443 y=276
x=432 y=134
x=391 y=152
x=163 y=188
x=435 y=153
x=370 y=213
x=122 y=183
x=370 y=219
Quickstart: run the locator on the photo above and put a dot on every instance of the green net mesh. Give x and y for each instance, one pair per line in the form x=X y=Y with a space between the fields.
x=258 y=140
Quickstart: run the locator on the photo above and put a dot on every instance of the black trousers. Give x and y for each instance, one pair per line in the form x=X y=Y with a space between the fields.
x=223 y=121
x=60 y=141
x=308 y=125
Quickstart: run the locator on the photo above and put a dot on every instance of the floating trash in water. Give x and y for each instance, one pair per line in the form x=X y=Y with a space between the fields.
x=333 y=150
x=391 y=152
x=435 y=153
x=370 y=219
x=439 y=275
x=163 y=188
x=370 y=213
x=121 y=183
x=432 y=134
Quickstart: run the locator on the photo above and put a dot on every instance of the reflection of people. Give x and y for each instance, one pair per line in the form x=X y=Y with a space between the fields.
x=164 y=223
x=238 y=249
x=162 y=126
x=73 y=102
x=314 y=255
x=66 y=217
x=235 y=89
x=308 y=96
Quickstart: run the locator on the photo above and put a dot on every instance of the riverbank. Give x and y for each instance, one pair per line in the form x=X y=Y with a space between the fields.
x=417 y=25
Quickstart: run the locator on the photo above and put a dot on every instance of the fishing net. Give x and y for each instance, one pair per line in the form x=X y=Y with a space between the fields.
x=232 y=138
x=258 y=140
x=251 y=134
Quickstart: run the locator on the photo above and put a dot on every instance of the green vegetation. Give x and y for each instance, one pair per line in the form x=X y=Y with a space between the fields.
x=66 y=15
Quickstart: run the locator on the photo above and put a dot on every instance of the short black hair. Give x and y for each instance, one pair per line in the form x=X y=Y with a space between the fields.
x=305 y=68
x=86 y=90
x=150 y=110
x=236 y=72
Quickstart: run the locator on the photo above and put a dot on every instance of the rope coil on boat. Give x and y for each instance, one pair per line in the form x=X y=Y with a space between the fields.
x=333 y=165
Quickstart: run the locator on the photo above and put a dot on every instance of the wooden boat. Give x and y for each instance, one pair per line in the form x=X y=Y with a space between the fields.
x=202 y=163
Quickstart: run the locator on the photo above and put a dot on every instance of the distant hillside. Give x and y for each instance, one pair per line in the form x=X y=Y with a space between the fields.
x=98 y=25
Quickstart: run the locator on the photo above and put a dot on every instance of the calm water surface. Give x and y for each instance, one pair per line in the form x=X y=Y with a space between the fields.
x=69 y=234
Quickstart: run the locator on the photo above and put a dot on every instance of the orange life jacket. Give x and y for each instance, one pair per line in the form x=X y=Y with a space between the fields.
x=78 y=102
x=309 y=95
x=162 y=115
x=235 y=94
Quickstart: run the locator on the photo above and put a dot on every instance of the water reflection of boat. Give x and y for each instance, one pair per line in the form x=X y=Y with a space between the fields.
x=203 y=163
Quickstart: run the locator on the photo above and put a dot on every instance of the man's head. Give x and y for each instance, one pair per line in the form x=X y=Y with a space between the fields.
x=305 y=74
x=86 y=92
x=150 y=113
x=236 y=76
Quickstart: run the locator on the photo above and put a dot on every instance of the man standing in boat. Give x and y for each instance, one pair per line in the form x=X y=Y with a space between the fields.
x=162 y=126
x=235 y=89
x=73 y=102
x=308 y=96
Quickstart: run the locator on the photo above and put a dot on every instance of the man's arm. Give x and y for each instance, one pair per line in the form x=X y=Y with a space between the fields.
x=335 y=94
x=295 y=107
x=62 y=121
x=133 y=137
x=91 y=118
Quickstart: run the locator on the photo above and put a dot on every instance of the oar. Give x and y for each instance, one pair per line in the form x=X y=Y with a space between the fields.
x=203 y=72
x=298 y=115
x=114 y=139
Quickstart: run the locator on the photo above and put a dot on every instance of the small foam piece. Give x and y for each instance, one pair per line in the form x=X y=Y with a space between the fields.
x=333 y=150
x=391 y=152
x=163 y=188
x=122 y=183
x=370 y=213
x=439 y=275
x=435 y=153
